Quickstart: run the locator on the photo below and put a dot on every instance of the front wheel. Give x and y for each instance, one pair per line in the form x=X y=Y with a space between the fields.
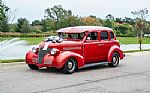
x=115 y=60
x=33 y=67
x=70 y=66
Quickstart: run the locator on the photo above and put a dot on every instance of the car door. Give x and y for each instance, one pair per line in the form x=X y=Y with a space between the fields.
x=92 y=48
x=104 y=44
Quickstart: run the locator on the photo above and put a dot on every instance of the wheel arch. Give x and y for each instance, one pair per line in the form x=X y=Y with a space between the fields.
x=63 y=57
x=117 y=52
x=112 y=50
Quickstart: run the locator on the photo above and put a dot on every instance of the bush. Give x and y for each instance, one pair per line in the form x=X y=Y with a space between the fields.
x=8 y=34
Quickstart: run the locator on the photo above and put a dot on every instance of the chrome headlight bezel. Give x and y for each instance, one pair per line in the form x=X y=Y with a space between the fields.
x=53 y=51
x=35 y=49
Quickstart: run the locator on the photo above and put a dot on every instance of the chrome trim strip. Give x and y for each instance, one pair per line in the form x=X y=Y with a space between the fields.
x=72 y=48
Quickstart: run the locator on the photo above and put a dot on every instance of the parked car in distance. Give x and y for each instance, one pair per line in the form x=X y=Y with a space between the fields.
x=76 y=47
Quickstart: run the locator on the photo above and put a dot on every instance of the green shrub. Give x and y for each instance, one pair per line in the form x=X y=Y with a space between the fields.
x=26 y=35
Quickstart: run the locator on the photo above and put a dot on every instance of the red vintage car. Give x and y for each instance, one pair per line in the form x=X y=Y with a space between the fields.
x=76 y=47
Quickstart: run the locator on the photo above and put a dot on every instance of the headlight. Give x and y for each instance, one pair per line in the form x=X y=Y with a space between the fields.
x=54 y=51
x=35 y=49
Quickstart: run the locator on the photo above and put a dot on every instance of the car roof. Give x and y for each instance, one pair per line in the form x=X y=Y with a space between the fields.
x=81 y=29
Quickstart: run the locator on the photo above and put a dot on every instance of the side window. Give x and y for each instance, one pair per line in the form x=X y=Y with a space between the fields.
x=112 y=35
x=92 y=36
x=104 y=35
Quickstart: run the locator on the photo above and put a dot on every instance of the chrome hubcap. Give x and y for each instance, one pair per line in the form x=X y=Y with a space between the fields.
x=70 y=65
x=115 y=60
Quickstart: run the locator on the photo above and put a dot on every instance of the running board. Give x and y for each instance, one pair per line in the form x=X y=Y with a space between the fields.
x=93 y=64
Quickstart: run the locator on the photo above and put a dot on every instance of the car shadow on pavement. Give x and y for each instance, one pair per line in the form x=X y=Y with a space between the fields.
x=97 y=67
x=86 y=69
x=50 y=70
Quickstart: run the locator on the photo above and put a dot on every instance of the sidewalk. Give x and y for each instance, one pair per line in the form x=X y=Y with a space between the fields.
x=138 y=53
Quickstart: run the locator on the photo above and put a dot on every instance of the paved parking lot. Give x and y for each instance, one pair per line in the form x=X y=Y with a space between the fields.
x=131 y=76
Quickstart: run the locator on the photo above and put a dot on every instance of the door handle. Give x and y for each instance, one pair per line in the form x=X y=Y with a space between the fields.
x=100 y=44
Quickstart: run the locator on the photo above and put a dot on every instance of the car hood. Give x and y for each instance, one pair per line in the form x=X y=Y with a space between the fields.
x=61 y=46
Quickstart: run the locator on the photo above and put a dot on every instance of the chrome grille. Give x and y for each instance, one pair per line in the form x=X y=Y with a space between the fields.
x=41 y=54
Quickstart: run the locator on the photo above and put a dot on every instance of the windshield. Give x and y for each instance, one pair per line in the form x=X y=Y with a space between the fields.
x=72 y=36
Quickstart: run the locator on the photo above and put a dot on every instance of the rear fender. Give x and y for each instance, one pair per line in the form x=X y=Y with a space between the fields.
x=62 y=57
x=112 y=50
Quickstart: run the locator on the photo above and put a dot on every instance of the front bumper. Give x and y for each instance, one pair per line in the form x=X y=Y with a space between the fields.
x=47 y=61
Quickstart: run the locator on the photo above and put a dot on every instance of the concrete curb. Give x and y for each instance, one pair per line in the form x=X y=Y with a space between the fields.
x=142 y=53
x=13 y=63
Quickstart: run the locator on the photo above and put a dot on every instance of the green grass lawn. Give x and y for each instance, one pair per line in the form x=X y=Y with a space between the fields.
x=132 y=40
x=33 y=41
x=122 y=40
x=12 y=60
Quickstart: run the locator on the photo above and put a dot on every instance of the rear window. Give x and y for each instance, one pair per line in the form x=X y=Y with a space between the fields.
x=104 y=35
x=112 y=35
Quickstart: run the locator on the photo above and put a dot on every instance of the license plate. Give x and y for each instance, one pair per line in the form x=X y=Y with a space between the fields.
x=47 y=61
x=34 y=59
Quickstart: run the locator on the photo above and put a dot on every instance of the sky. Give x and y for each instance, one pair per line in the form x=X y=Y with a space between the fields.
x=34 y=9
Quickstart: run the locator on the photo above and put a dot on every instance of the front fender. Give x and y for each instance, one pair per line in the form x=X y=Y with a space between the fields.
x=29 y=56
x=62 y=58
x=112 y=50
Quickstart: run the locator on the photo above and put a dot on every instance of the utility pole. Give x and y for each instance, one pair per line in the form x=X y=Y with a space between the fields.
x=141 y=14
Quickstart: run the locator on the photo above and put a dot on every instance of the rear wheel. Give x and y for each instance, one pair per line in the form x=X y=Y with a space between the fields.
x=115 y=60
x=70 y=66
x=33 y=67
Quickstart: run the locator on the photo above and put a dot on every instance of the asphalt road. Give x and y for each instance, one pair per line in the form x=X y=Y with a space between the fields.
x=131 y=76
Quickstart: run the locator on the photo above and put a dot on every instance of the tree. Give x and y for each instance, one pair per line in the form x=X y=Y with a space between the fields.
x=13 y=27
x=57 y=13
x=23 y=25
x=108 y=23
x=118 y=20
x=147 y=28
x=91 y=21
x=71 y=21
x=48 y=24
x=36 y=22
x=110 y=17
x=92 y=16
x=4 y=27
x=129 y=20
x=141 y=14
x=100 y=21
